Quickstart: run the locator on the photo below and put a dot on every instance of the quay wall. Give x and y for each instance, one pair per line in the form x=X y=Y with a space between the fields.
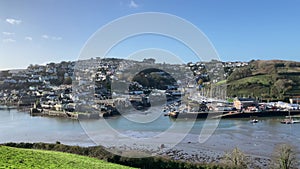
x=275 y=113
x=72 y=115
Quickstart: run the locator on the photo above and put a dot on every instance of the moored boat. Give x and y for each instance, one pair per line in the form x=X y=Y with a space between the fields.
x=173 y=114
x=289 y=121
x=254 y=121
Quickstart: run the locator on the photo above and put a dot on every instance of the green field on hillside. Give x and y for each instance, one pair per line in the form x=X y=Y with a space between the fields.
x=260 y=79
x=271 y=80
x=28 y=158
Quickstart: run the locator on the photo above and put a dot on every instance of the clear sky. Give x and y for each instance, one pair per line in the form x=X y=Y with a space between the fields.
x=42 y=31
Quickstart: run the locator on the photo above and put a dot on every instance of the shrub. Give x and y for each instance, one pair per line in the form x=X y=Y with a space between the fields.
x=284 y=157
x=235 y=159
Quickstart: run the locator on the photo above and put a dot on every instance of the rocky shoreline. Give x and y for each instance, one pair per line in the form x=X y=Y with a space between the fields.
x=185 y=153
x=213 y=156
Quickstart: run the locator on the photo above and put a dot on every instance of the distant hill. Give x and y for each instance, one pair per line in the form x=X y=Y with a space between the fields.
x=267 y=80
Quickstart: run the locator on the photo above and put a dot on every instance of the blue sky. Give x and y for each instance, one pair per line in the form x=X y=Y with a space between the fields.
x=42 y=31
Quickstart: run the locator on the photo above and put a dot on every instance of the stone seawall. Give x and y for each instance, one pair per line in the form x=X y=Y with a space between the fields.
x=72 y=115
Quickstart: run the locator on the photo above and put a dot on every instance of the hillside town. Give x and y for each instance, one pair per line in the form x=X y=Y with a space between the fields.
x=107 y=84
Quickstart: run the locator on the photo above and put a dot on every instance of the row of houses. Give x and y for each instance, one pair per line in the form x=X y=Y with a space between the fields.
x=253 y=105
x=38 y=73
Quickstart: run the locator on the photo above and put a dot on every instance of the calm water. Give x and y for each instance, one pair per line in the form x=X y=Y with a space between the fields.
x=259 y=138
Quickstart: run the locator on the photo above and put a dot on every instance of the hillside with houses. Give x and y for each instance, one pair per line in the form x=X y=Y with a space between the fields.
x=61 y=86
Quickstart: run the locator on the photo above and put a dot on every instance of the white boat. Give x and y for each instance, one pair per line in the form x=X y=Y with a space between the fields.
x=254 y=121
x=290 y=121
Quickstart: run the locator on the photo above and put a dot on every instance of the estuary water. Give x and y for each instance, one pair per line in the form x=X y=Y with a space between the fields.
x=259 y=139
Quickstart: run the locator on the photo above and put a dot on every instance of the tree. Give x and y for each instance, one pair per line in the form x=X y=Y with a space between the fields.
x=284 y=157
x=240 y=73
x=236 y=159
x=68 y=81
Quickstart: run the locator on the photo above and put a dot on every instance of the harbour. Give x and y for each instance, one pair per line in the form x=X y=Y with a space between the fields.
x=148 y=85
x=192 y=119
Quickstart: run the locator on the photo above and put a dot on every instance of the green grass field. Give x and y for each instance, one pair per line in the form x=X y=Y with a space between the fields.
x=28 y=158
x=262 y=79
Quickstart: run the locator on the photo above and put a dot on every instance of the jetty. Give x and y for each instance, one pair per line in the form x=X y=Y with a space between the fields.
x=7 y=107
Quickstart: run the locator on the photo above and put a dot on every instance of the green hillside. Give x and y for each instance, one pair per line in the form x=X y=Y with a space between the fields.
x=27 y=158
x=268 y=80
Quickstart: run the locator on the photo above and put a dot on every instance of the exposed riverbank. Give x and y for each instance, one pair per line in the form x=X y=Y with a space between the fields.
x=195 y=153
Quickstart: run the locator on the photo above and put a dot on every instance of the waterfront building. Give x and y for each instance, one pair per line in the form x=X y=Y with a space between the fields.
x=242 y=103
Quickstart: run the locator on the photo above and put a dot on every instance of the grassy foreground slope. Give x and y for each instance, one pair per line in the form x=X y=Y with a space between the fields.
x=26 y=158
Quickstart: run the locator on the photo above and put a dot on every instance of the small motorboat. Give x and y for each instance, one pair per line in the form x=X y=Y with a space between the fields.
x=254 y=121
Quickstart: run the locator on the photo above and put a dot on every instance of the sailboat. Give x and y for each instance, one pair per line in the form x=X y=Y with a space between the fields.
x=289 y=120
